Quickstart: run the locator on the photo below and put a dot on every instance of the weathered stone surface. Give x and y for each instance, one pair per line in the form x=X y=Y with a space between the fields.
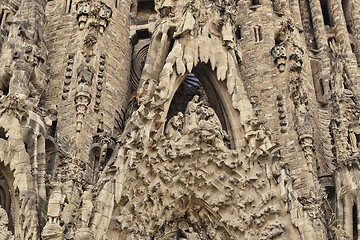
x=179 y=119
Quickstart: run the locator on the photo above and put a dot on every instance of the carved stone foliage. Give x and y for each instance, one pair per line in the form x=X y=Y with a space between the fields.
x=23 y=55
x=176 y=194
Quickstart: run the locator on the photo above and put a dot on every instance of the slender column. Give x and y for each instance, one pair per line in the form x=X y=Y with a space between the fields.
x=342 y=36
x=321 y=41
x=295 y=9
x=355 y=10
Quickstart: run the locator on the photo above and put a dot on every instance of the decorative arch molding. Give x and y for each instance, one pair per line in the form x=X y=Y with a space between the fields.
x=18 y=172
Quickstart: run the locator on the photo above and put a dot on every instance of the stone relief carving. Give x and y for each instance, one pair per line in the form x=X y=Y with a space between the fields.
x=99 y=85
x=68 y=76
x=93 y=15
x=4 y=221
x=23 y=55
x=85 y=74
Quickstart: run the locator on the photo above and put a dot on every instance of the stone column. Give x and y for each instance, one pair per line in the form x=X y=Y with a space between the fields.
x=342 y=36
x=355 y=10
x=321 y=41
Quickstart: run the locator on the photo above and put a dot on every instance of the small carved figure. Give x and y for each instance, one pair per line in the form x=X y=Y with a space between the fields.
x=86 y=207
x=85 y=74
x=191 y=114
x=88 y=47
x=174 y=127
x=56 y=202
x=4 y=221
x=279 y=53
x=104 y=16
x=83 y=10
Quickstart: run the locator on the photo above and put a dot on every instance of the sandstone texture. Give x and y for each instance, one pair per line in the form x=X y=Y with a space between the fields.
x=179 y=119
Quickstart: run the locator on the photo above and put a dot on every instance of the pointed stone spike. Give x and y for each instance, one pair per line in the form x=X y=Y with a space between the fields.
x=204 y=50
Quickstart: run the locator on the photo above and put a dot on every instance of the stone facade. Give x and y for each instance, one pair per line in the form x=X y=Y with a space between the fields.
x=179 y=119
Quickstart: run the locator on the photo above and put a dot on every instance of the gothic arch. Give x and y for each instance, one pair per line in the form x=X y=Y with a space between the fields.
x=219 y=100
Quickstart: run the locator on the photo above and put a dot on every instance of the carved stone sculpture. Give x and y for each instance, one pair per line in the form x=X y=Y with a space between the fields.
x=4 y=232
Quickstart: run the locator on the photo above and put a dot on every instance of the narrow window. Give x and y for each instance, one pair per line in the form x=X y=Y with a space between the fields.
x=3 y=17
x=255 y=2
x=322 y=87
x=3 y=134
x=258 y=34
x=68 y=6
x=355 y=222
x=325 y=13
x=238 y=33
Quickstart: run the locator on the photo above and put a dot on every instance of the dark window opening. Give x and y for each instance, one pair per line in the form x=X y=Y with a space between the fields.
x=255 y=2
x=355 y=222
x=1 y=17
x=3 y=134
x=326 y=13
x=5 y=90
x=26 y=147
x=322 y=87
x=53 y=128
x=258 y=34
x=144 y=9
x=238 y=33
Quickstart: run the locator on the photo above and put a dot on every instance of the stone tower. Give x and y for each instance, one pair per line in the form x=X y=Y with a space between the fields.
x=179 y=119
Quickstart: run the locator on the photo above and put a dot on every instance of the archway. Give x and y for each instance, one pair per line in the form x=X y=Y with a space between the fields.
x=217 y=96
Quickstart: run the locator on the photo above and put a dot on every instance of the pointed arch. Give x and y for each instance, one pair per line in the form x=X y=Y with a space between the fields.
x=219 y=99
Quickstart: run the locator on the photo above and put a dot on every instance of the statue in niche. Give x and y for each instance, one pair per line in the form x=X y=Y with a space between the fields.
x=187 y=23
x=4 y=221
x=191 y=114
x=86 y=207
x=188 y=231
x=353 y=139
x=85 y=74
x=174 y=127
x=209 y=118
x=56 y=202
